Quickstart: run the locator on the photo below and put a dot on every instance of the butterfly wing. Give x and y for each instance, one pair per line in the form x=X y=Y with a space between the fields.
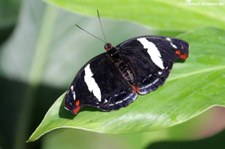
x=99 y=84
x=152 y=58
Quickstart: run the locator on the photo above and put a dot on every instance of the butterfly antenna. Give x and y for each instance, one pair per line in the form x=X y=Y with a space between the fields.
x=100 y=22
x=91 y=34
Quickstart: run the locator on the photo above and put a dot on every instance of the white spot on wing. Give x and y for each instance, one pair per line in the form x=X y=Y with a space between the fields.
x=73 y=92
x=168 y=39
x=152 y=51
x=160 y=72
x=74 y=95
x=91 y=84
x=171 y=43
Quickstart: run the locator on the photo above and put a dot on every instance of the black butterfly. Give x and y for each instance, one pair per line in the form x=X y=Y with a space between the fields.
x=114 y=79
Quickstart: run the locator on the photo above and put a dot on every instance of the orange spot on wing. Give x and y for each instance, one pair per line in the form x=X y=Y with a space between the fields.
x=182 y=56
x=135 y=89
x=76 y=110
x=177 y=52
x=77 y=103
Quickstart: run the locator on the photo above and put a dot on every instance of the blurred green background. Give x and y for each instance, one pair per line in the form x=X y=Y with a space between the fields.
x=32 y=78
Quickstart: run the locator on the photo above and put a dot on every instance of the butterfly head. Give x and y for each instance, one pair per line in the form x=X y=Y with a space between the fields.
x=108 y=46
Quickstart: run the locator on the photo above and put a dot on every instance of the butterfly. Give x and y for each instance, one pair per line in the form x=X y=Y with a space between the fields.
x=114 y=79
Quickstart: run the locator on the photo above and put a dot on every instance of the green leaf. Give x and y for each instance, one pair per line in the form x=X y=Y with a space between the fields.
x=64 y=138
x=8 y=12
x=192 y=88
x=160 y=14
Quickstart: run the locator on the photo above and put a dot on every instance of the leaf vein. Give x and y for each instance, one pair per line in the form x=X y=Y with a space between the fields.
x=196 y=73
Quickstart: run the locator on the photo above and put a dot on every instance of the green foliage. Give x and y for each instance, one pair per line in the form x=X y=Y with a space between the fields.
x=160 y=14
x=8 y=12
x=196 y=85
x=46 y=49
